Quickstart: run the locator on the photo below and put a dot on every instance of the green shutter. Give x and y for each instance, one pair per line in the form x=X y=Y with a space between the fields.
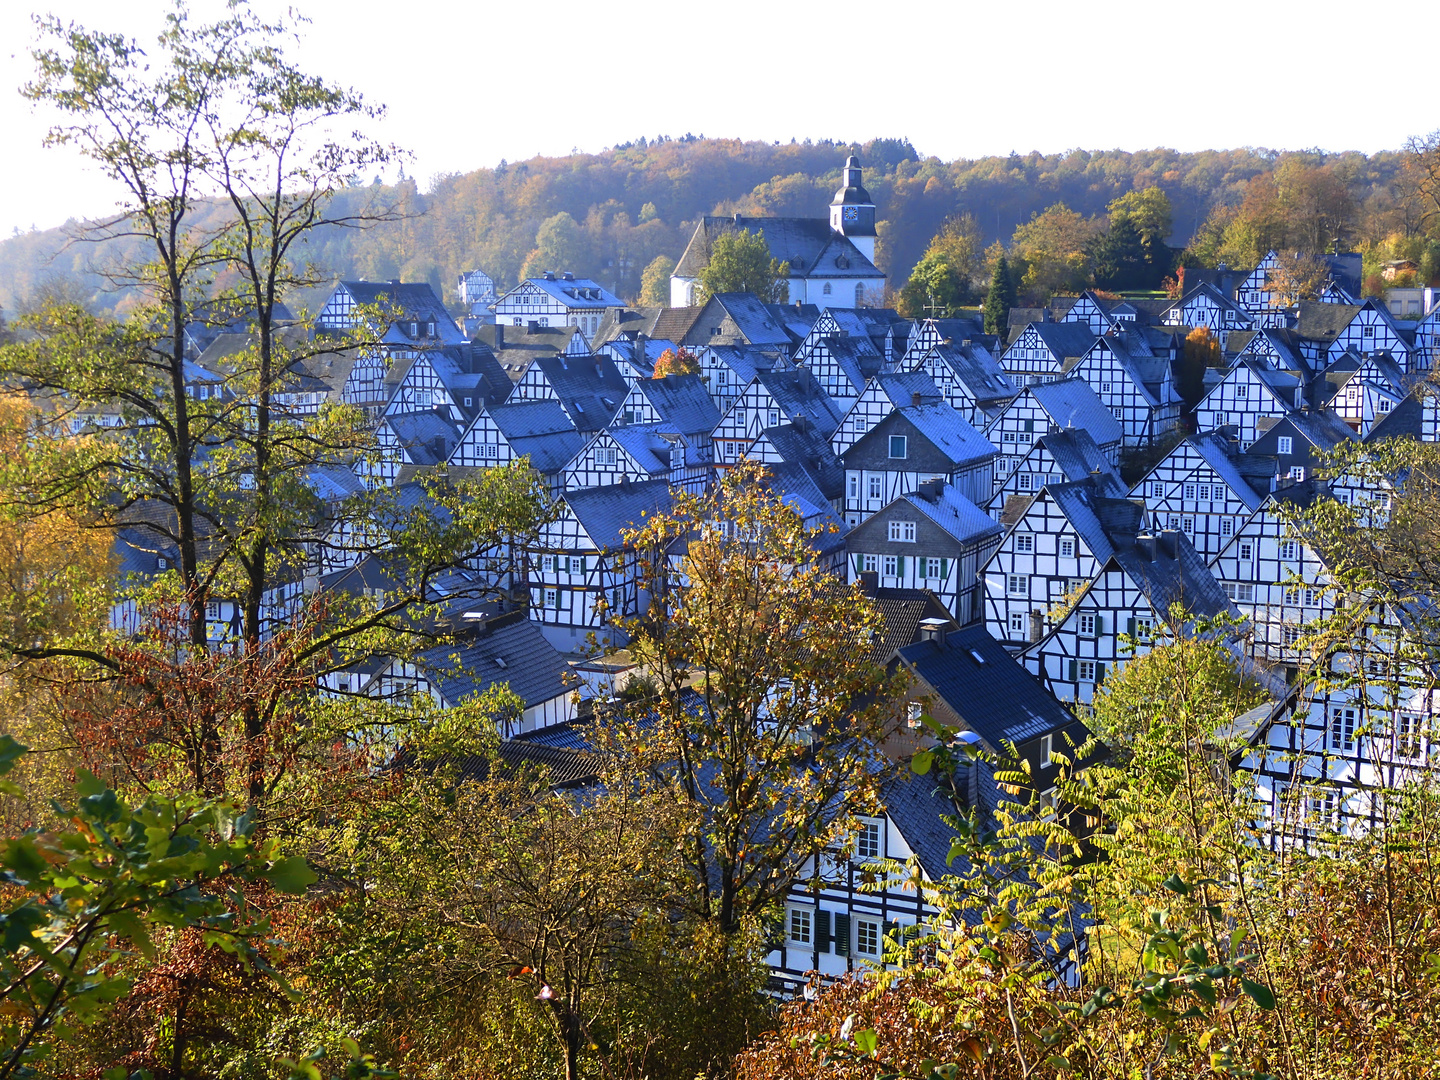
x=1074 y=671
x=892 y=932
x=842 y=934
x=582 y=564
x=822 y=930
x=859 y=563
x=1099 y=672
x=1099 y=626
x=900 y=566
x=1130 y=625
x=1029 y=425
x=944 y=567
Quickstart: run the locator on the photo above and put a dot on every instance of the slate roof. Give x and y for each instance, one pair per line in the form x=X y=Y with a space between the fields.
x=809 y=245
x=606 y=512
x=1183 y=578
x=1323 y=430
x=858 y=358
x=682 y=402
x=797 y=319
x=1405 y=421
x=1066 y=339
x=661 y=323
x=1221 y=451
x=646 y=444
x=1071 y=403
x=428 y=437
x=1324 y=322
x=510 y=650
x=590 y=388
x=949 y=432
x=902 y=386
x=954 y=513
x=993 y=695
x=1078 y=456
x=515 y=347
x=747 y=361
x=978 y=369
x=572 y=292
x=1101 y=522
x=754 y=321
x=627 y=348
x=900 y=613
x=804 y=445
x=797 y=393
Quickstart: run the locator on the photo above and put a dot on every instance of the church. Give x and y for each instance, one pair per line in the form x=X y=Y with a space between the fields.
x=832 y=263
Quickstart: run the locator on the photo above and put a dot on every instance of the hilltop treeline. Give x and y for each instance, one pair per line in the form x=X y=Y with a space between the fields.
x=607 y=215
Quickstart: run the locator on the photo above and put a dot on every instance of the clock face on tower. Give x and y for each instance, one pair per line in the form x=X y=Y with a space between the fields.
x=850 y=213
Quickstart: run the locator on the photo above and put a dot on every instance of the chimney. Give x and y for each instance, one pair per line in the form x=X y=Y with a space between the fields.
x=499 y=334
x=966 y=343
x=642 y=341
x=533 y=325
x=1145 y=545
x=1170 y=543
x=549 y=275
x=567 y=276
x=914 y=397
x=934 y=630
x=869 y=581
x=929 y=490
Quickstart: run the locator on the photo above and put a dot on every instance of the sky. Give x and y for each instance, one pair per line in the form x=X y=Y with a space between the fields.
x=469 y=84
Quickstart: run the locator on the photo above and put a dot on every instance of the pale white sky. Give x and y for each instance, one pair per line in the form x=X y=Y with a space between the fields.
x=470 y=83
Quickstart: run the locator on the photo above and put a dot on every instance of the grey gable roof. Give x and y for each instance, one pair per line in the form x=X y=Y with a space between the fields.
x=606 y=512
x=1182 y=579
x=956 y=514
x=753 y=317
x=798 y=394
x=1078 y=457
x=1324 y=322
x=804 y=445
x=1065 y=339
x=902 y=386
x=682 y=402
x=646 y=444
x=427 y=437
x=804 y=243
x=1405 y=421
x=978 y=369
x=1222 y=454
x=1103 y=523
x=993 y=695
x=590 y=388
x=949 y=432
x=1071 y=403
x=514 y=653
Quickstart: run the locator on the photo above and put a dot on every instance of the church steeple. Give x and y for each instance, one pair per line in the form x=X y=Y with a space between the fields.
x=852 y=211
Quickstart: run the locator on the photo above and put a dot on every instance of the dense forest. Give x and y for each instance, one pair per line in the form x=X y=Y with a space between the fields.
x=608 y=215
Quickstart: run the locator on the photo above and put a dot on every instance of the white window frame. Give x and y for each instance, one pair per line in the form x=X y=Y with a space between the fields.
x=1017 y=585
x=800 y=926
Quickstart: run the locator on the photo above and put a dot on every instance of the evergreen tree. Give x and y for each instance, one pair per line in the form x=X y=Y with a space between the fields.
x=1119 y=256
x=1000 y=299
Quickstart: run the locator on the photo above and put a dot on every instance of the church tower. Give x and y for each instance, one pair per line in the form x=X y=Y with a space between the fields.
x=852 y=212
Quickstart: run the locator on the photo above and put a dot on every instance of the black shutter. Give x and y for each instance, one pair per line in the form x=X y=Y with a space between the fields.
x=822 y=930
x=842 y=934
x=1074 y=671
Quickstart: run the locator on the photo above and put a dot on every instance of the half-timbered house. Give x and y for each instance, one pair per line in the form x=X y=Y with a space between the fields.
x=1276 y=580
x=1041 y=351
x=1039 y=410
x=1206 y=488
x=1361 y=329
x=915 y=443
x=932 y=538
x=1207 y=306
x=1297 y=443
x=1055 y=458
x=589 y=389
x=538 y=431
x=773 y=398
x=1250 y=397
x=886 y=392
x=970 y=378
x=407 y=444
x=1139 y=390
x=552 y=300
x=584 y=577
x=727 y=370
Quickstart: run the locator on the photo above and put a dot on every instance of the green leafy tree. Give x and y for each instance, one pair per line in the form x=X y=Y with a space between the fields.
x=655 y=281
x=1202 y=351
x=1054 y=249
x=1000 y=299
x=559 y=246
x=741 y=262
x=83 y=898
x=1149 y=210
x=943 y=280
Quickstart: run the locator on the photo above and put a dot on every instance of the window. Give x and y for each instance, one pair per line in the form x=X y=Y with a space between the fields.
x=577 y=564
x=1289 y=636
x=867 y=937
x=1289 y=550
x=1227 y=527
x=1189 y=492
x=897 y=446
x=1105 y=388
x=604 y=455
x=1407 y=735
x=1297 y=472
x=1342 y=730
x=867 y=842
x=1383 y=405
x=874 y=487
x=1174 y=521
x=1009 y=436
x=801 y=926
x=1017 y=622
x=1025 y=543
x=854 y=482
x=1023 y=481
x=547 y=564
x=774 y=417
x=1067 y=548
x=1086 y=624
x=890 y=565
x=212 y=611
x=552 y=598
x=1187 y=525
x=826 y=290
x=902 y=531
x=1284 y=445
x=1242 y=592
x=1242 y=391
x=1367 y=331
x=1144 y=629
x=1246 y=550
x=872 y=562
x=1157 y=489
x=1017 y=585
x=1087 y=671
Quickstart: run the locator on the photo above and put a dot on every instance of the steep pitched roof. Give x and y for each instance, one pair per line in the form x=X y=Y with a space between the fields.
x=590 y=388
x=428 y=437
x=509 y=651
x=977 y=368
x=1071 y=403
x=804 y=445
x=1078 y=456
x=1222 y=453
x=809 y=245
x=682 y=402
x=606 y=512
x=798 y=394
x=950 y=432
x=954 y=513
x=988 y=688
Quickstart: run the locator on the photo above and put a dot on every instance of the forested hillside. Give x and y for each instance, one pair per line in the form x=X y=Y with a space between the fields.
x=607 y=215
